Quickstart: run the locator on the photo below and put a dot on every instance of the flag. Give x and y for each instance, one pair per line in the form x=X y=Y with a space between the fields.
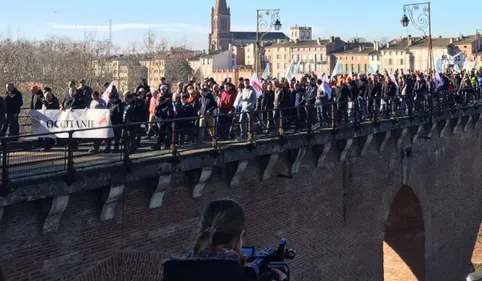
x=438 y=80
x=106 y=94
x=326 y=85
x=337 y=69
x=256 y=85
x=266 y=72
x=372 y=68
x=438 y=66
x=456 y=68
x=297 y=68
x=289 y=72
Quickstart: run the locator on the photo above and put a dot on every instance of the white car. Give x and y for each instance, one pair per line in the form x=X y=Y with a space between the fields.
x=475 y=276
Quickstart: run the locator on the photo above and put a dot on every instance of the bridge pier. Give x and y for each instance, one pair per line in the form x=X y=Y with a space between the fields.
x=240 y=168
x=204 y=176
x=322 y=152
x=364 y=142
x=162 y=186
x=115 y=194
x=57 y=207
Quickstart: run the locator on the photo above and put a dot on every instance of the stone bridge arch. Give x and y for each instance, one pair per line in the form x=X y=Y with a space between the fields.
x=404 y=237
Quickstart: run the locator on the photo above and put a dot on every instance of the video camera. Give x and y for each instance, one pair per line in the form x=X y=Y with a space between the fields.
x=263 y=261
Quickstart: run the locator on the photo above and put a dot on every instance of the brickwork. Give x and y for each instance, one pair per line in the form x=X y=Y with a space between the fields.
x=335 y=216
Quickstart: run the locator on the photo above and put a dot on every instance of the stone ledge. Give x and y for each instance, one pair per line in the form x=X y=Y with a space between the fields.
x=53 y=185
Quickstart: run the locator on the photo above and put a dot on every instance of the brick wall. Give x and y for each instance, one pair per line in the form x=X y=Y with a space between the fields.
x=337 y=217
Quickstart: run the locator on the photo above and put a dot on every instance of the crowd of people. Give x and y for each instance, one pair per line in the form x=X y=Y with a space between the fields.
x=203 y=111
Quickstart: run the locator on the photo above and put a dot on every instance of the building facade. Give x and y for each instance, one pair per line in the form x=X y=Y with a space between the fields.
x=214 y=60
x=313 y=55
x=221 y=35
x=301 y=33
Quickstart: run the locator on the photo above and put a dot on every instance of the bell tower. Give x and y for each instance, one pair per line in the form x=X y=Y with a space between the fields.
x=220 y=36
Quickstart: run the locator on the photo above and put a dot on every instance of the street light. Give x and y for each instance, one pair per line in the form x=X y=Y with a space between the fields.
x=419 y=15
x=266 y=20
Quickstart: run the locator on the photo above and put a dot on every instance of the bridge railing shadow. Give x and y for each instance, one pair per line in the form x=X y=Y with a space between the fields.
x=40 y=154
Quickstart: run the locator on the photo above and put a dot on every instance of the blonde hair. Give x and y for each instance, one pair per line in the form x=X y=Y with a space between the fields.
x=222 y=226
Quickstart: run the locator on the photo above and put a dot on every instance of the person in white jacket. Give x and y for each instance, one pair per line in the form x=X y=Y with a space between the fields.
x=248 y=102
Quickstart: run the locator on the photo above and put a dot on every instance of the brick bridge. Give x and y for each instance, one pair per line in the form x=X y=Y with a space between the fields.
x=393 y=201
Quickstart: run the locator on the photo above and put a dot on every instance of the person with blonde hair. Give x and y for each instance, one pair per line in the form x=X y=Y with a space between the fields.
x=217 y=253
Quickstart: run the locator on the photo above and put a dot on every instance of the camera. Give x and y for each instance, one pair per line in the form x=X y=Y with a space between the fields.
x=266 y=259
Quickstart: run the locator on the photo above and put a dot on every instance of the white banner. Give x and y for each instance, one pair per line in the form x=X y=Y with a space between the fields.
x=59 y=121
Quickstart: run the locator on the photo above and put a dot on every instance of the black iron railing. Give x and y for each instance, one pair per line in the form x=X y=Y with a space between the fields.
x=25 y=158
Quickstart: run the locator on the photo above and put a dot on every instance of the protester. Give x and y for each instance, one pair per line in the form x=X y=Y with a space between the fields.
x=85 y=92
x=96 y=103
x=13 y=104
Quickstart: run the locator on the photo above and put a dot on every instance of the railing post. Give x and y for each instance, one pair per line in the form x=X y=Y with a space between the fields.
x=5 y=178
x=173 y=147
x=248 y=126
x=309 y=113
x=126 y=143
x=70 y=157
x=214 y=137
x=281 y=130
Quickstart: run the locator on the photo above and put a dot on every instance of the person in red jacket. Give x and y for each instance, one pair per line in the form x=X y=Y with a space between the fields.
x=226 y=110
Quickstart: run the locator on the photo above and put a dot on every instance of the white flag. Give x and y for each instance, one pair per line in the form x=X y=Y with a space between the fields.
x=106 y=94
x=256 y=84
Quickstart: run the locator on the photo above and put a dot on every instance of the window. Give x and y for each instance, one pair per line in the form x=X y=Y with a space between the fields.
x=401 y=61
x=365 y=68
x=352 y=58
x=278 y=57
x=285 y=66
x=285 y=56
x=390 y=62
x=359 y=68
x=277 y=66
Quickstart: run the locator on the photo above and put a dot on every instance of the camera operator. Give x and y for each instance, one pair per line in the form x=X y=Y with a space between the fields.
x=217 y=253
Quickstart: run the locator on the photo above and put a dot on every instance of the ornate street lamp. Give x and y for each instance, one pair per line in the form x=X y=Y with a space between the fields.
x=266 y=20
x=419 y=15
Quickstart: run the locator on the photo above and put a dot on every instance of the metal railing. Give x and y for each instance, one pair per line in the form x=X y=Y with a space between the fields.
x=24 y=158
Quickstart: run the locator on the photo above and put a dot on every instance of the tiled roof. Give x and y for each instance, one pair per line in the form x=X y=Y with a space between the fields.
x=303 y=43
x=356 y=51
x=250 y=35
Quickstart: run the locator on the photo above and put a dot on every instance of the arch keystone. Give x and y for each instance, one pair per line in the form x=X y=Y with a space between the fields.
x=198 y=189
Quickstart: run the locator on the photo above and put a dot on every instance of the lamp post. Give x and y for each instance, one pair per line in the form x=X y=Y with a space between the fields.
x=419 y=15
x=266 y=20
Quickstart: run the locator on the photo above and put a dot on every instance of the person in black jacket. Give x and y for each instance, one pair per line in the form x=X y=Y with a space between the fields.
x=13 y=104
x=85 y=92
x=342 y=95
x=184 y=126
x=49 y=102
x=116 y=111
x=267 y=105
x=164 y=113
x=217 y=254
x=74 y=100
x=206 y=112
x=36 y=98
x=129 y=116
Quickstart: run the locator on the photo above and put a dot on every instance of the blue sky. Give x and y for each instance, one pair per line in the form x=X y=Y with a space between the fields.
x=189 y=20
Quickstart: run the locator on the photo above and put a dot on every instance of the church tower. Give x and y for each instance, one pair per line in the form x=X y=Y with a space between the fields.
x=220 y=36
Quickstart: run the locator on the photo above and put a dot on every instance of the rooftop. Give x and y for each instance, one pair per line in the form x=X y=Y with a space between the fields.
x=303 y=43
x=251 y=35
x=357 y=51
